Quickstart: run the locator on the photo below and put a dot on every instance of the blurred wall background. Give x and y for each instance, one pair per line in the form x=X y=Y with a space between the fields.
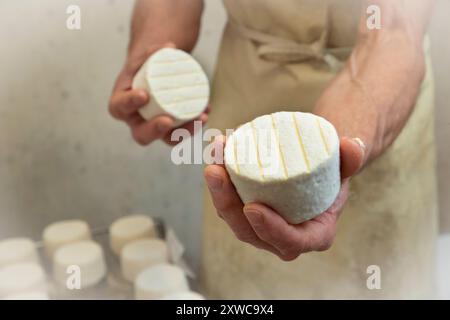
x=62 y=156
x=440 y=35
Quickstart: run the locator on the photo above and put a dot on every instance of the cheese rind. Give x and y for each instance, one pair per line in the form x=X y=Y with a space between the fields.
x=88 y=256
x=177 y=85
x=141 y=254
x=287 y=160
x=64 y=232
x=158 y=281
x=130 y=228
x=17 y=250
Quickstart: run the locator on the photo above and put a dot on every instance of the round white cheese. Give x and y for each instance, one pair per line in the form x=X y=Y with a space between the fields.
x=17 y=250
x=21 y=278
x=187 y=295
x=34 y=295
x=64 y=232
x=288 y=161
x=158 y=281
x=84 y=259
x=177 y=85
x=130 y=228
x=141 y=254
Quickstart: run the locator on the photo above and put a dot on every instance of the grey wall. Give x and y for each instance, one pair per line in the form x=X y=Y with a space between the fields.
x=61 y=155
x=440 y=33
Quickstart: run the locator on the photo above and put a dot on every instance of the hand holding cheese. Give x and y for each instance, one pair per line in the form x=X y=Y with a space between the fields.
x=260 y=225
x=153 y=104
x=287 y=160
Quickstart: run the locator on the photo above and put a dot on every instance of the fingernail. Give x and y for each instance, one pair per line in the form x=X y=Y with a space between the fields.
x=214 y=183
x=360 y=142
x=254 y=216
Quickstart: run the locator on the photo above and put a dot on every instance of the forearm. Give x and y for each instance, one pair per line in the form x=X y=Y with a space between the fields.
x=162 y=21
x=374 y=95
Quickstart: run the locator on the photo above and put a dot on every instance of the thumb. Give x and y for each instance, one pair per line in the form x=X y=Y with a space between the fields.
x=352 y=156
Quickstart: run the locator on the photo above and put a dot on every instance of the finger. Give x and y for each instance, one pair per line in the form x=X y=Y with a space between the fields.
x=125 y=103
x=292 y=240
x=274 y=230
x=134 y=120
x=352 y=156
x=229 y=207
x=190 y=126
x=322 y=229
x=146 y=132
x=170 y=45
x=218 y=150
x=225 y=198
x=341 y=199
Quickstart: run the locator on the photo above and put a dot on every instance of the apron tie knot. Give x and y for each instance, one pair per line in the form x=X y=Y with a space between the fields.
x=273 y=48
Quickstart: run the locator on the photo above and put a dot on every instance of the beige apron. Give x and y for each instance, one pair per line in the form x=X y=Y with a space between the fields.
x=279 y=55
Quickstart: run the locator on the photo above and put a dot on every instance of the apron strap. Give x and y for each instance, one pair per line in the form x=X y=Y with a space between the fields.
x=277 y=49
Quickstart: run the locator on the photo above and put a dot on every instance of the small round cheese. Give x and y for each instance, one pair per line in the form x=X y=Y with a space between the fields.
x=85 y=257
x=33 y=295
x=17 y=250
x=64 y=232
x=21 y=278
x=158 y=281
x=130 y=228
x=177 y=85
x=187 y=295
x=288 y=161
x=141 y=254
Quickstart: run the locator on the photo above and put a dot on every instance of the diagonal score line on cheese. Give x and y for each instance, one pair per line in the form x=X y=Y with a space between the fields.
x=235 y=155
x=322 y=135
x=168 y=75
x=310 y=182
x=300 y=140
x=252 y=126
x=199 y=85
x=178 y=101
x=277 y=137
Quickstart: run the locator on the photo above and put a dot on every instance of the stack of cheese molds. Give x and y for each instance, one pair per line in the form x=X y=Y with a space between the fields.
x=21 y=274
x=69 y=243
x=177 y=85
x=288 y=161
x=145 y=260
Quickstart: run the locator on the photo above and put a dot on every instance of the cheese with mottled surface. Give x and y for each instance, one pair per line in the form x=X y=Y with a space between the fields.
x=177 y=85
x=288 y=161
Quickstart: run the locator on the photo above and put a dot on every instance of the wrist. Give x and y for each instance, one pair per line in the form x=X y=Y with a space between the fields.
x=350 y=109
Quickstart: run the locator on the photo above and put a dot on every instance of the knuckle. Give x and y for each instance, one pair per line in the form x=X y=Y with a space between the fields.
x=244 y=237
x=219 y=214
x=325 y=244
x=132 y=65
x=290 y=256
x=112 y=110
x=139 y=138
x=221 y=204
